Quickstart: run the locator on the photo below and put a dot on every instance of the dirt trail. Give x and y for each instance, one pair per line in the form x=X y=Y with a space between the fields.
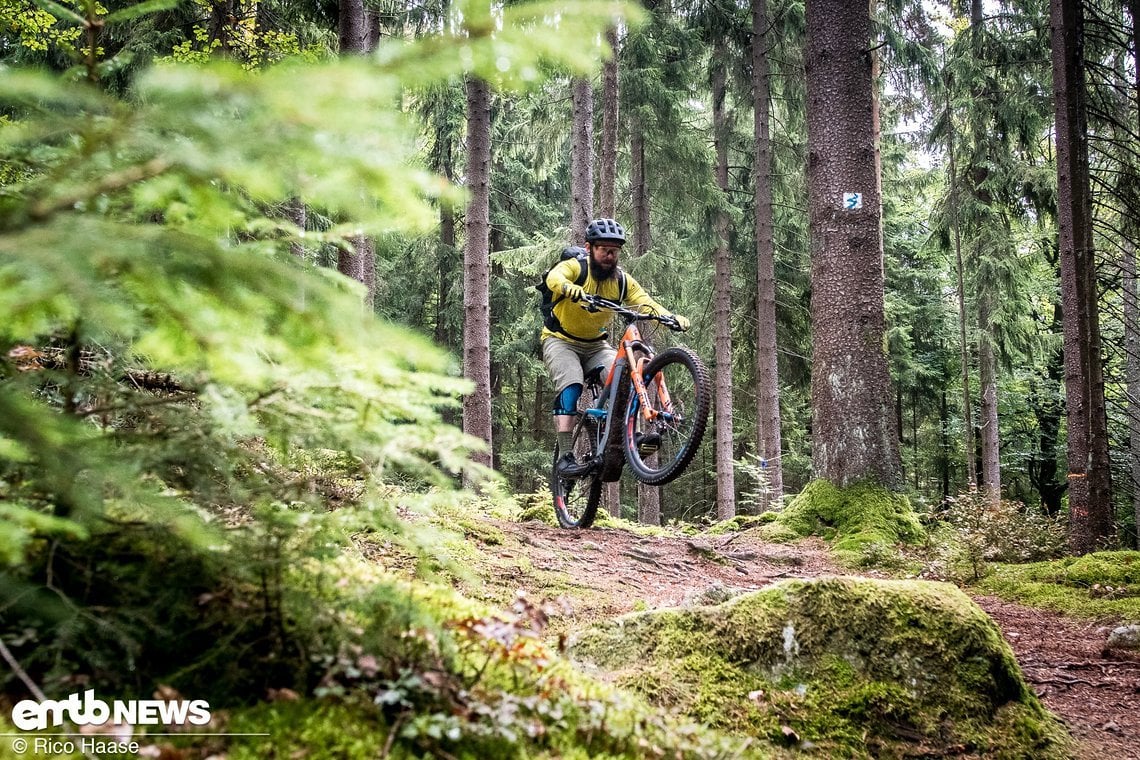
x=610 y=571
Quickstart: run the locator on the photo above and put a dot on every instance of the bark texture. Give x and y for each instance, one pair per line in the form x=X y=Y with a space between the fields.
x=987 y=291
x=351 y=27
x=1132 y=376
x=767 y=375
x=853 y=437
x=477 y=268
x=639 y=189
x=722 y=302
x=297 y=212
x=351 y=260
x=1132 y=312
x=964 y=346
x=648 y=497
x=608 y=169
x=1090 y=505
x=988 y=413
x=581 y=160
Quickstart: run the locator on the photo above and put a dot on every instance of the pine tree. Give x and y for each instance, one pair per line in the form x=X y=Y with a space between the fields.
x=477 y=267
x=853 y=439
x=607 y=180
x=581 y=158
x=1090 y=505
x=768 y=437
x=358 y=259
x=722 y=297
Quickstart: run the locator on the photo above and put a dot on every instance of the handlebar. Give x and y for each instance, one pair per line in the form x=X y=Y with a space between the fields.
x=593 y=303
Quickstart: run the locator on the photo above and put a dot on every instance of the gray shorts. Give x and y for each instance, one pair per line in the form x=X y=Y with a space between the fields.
x=569 y=362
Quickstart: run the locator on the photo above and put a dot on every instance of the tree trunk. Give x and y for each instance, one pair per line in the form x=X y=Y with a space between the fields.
x=639 y=189
x=1132 y=376
x=988 y=416
x=351 y=27
x=987 y=291
x=608 y=181
x=477 y=268
x=1048 y=410
x=1090 y=504
x=297 y=213
x=540 y=409
x=722 y=301
x=967 y=412
x=372 y=30
x=221 y=25
x=768 y=438
x=447 y=239
x=1132 y=308
x=853 y=437
x=581 y=160
x=944 y=440
x=648 y=497
x=443 y=334
x=352 y=261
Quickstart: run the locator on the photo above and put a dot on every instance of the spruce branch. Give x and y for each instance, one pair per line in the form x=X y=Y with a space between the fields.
x=47 y=208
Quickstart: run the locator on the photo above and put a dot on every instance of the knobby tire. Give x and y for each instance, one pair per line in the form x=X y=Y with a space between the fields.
x=576 y=499
x=687 y=380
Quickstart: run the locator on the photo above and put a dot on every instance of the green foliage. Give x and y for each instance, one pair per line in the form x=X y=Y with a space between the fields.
x=323 y=729
x=983 y=531
x=757 y=473
x=468 y=682
x=192 y=420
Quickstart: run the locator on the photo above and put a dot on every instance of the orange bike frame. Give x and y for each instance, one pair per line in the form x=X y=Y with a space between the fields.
x=629 y=342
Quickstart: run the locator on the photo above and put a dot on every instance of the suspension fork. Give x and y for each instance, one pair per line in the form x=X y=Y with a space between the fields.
x=637 y=367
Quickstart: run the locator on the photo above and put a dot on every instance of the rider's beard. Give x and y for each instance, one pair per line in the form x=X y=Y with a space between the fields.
x=600 y=272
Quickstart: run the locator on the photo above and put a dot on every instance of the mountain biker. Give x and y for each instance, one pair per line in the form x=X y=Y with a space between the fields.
x=574 y=341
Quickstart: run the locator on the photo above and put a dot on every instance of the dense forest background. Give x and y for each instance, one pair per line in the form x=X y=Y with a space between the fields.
x=695 y=135
x=269 y=338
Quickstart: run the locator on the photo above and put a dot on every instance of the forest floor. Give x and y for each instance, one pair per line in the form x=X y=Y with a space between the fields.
x=610 y=571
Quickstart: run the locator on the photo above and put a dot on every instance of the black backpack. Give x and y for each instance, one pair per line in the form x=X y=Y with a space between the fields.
x=549 y=298
x=546 y=305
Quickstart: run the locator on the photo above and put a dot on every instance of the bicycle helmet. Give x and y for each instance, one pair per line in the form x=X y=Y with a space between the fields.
x=605 y=231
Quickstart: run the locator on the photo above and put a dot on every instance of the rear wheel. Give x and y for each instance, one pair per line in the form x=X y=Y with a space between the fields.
x=576 y=498
x=658 y=449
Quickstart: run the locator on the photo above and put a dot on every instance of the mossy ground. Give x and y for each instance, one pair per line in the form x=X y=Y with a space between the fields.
x=858 y=519
x=853 y=668
x=539 y=507
x=742 y=522
x=1099 y=585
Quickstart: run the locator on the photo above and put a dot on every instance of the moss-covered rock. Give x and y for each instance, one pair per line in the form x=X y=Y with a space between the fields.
x=1101 y=584
x=852 y=667
x=857 y=518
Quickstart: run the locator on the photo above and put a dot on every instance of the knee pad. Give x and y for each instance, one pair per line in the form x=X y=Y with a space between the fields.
x=566 y=402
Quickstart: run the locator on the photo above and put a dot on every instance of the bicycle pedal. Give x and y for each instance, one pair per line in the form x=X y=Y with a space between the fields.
x=647 y=443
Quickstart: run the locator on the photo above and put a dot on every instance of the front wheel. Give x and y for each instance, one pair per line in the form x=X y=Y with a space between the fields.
x=660 y=445
x=576 y=498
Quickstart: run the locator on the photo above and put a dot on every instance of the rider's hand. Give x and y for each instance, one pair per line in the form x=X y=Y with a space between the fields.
x=573 y=292
x=682 y=323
